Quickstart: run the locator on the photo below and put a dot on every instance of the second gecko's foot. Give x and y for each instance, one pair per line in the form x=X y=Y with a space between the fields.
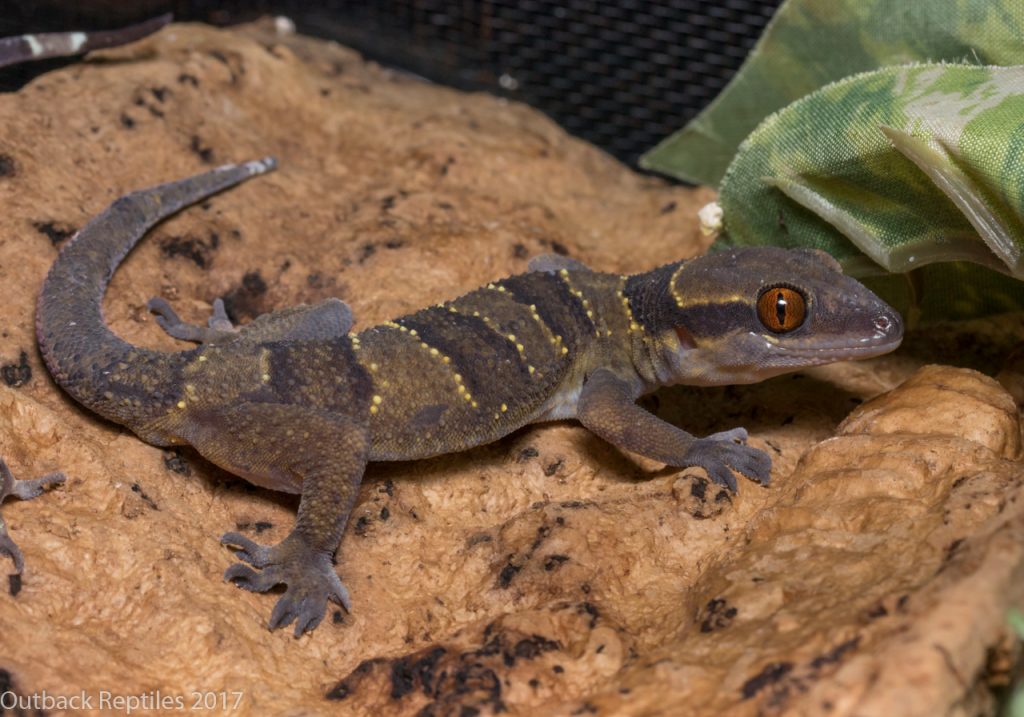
x=308 y=574
x=25 y=490
x=722 y=453
x=218 y=326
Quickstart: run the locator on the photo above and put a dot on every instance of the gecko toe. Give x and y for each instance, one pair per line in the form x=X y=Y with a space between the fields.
x=247 y=550
x=8 y=548
x=720 y=458
x=736 y=435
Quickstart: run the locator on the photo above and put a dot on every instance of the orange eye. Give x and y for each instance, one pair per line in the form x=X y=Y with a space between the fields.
x=781 y=309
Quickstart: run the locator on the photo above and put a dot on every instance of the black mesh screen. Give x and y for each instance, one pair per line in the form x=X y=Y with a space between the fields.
x=622 y=74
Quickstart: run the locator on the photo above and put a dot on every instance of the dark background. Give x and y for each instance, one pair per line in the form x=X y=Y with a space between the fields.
x=622 y=74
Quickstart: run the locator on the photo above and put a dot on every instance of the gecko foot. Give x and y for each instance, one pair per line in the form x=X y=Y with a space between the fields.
x=308 y=574
x=25 y=490
x=218 y=326
x=720 y=455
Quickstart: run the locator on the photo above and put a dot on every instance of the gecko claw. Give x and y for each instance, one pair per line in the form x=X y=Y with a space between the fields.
x=308 y=575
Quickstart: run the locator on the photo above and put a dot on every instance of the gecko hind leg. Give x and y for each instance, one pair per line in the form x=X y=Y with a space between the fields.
x=25 y=490
x=291 y=447
x=219 y=326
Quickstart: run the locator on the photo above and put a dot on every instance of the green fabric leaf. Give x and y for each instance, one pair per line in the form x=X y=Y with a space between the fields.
x=810 y=43
x=893 y=170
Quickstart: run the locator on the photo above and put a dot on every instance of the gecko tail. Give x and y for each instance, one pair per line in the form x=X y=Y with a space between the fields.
x=74 y=340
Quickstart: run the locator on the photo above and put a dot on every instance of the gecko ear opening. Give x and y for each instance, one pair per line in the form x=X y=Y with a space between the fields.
x=822 y=256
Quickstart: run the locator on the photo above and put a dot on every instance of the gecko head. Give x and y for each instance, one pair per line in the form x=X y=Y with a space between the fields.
x=744 y=315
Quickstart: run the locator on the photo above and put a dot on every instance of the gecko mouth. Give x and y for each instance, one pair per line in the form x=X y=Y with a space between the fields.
x=842 y=351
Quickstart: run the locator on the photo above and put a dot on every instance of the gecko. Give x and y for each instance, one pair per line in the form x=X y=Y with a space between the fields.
x=295 y=401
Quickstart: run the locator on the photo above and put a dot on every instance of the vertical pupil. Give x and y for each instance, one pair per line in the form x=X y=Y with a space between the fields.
x=780 y=308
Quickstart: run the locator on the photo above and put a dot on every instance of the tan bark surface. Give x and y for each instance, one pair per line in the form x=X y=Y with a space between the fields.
x=544 y=574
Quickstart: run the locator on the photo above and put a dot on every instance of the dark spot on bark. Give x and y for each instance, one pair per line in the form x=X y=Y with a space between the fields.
x=788 y=420
x=519 y=251
x=366 y=251
x=558 y=669
x=136 y=488
x=699 y=488
x=56 y=232
x=337 y=618
x=13 y=587
x=585 y=708
x=528 y=453
x=174 y=461
x=389 y=487
x=385 y=513
x=534 y=683
x=247 y=300
x=559 y=248
x=204 y=152
x=186 y=79
x=901 y=604
x=668 y=208
x=553 y=562
x=723 y=496
x=574 y=505
x=387 y=202
x=877 y=611
x=17 y=374
x=406 y=672
x=447 y=206
x=262 y=525
x=771 y=674
x=590 y=610
x=127 y=122
x=362 y=523
x=717 y=615
x=197 y=250
x=8 y=167
x=507 y=574
x=552 y=468
x=394 y=243
x=836 y=654
x=159 y=93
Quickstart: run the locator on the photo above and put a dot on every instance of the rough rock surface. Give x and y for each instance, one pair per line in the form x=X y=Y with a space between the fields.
x=546 y=573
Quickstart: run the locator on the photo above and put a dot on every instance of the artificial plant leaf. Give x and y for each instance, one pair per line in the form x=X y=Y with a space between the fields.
x=892 y=170
x=810 y=43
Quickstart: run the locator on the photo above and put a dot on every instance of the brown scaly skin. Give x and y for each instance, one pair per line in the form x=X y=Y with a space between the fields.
x=294 y=402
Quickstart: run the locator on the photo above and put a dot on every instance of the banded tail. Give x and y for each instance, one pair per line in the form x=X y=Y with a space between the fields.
x=101 y=371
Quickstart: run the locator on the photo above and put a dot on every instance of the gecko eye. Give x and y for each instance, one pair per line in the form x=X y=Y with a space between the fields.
x=781 y=309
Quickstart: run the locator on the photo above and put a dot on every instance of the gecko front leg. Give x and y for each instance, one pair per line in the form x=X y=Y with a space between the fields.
x=607 y=408
x=25 y=490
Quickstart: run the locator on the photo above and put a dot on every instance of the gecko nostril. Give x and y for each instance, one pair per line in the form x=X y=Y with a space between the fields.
x=883 y=323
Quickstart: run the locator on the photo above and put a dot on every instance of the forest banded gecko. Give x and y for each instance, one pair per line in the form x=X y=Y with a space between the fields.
x=295 y=402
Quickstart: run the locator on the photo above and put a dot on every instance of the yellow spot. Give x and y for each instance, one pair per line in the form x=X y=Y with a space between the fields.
x=497 y=417
x=520 y=348
x=564 y=350
x=532 y=369
x=468 y=397
x=373 y=409
x=377 y=400
x=202 y=358
x=533 y=308
x=181 y=404
x=446 y=359
x=265 y=377
x=458 y=378
x=504 y=408
x=412 y=332
x=474 y=405
x=424 y=344
x=563 y=272
x=511 y=337
x=374 y=367
x=634 y=326
x=590 y=314
x=462 y=389
x=433 y=351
